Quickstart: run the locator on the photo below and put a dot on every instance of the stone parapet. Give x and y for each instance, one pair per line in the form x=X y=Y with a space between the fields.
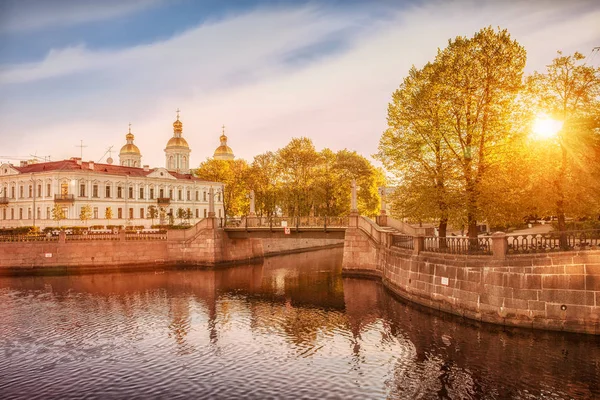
x=554 y=291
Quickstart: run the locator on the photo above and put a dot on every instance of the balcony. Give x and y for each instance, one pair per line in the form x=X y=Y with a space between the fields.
x=3 y=201
x=163 y=200
x=64 y=198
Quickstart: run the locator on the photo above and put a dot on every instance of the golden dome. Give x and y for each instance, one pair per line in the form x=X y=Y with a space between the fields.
x=223 y=150
x=130 y=149
x=177 y=142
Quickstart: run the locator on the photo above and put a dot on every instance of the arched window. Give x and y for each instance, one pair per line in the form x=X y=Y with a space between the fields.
x=171 y=163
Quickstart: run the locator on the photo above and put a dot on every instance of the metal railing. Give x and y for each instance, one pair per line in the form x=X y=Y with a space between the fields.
x=161 y=235
x=403 y=241
x=283 y=221
x=64 y=197
x=553 y=241
x=41 y=237
x=459 y=245
x=86 y=236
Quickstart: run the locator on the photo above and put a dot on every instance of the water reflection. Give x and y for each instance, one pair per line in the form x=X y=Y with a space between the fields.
x=290 y=328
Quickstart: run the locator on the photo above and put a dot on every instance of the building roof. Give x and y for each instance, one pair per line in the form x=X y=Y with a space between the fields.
x=109 y=169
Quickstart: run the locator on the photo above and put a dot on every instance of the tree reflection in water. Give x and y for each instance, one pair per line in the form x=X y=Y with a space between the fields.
x=289 y=328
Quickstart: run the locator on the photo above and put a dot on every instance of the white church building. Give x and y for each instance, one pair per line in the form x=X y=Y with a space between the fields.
x=128 y=194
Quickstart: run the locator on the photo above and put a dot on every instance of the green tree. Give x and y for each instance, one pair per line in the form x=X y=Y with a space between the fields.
x=232 y=173
x=108 y=214
x=479 y=79
x=58 y=213
x=568 y=165
x=181 y=214
x=152 y=213
x=263 y=178
x=297 y=166
x=413 y=148
x=86 y=213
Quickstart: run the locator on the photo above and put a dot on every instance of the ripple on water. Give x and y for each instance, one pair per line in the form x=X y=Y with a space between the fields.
x=290 y=330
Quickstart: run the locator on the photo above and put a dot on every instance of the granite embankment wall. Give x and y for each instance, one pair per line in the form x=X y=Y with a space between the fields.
x=202 y=245
x=555 y=291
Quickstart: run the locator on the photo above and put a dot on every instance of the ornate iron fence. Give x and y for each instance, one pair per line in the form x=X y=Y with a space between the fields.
x=553 y=241
x=284 y=221
x=481 y=245
x=91 y=236
x=28 y=238
x=160 y=235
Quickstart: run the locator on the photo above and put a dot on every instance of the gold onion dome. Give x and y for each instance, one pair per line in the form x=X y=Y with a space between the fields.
x=177 y=140
x=129 y=147
x=223 y=150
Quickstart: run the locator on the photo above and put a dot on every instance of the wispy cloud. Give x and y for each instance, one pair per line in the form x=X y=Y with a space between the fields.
x=268 y=75
x=28 y=15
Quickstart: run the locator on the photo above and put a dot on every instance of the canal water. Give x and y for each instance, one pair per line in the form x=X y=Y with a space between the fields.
x=291 y=328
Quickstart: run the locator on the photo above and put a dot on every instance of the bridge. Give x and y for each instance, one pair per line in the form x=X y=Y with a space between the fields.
x=311 y=227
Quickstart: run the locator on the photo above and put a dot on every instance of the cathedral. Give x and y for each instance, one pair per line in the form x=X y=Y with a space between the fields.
x=103 y=194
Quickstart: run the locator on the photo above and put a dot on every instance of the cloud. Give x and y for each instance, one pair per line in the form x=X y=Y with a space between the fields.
x=268 y=75
x=30 y=15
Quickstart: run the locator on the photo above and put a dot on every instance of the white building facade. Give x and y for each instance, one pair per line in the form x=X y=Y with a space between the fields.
x=125 y=194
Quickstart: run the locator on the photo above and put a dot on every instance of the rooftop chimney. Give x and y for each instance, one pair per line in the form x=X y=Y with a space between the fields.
x=146 y=168
x=91 y=165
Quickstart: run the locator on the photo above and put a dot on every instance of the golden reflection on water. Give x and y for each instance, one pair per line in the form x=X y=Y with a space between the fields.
x=287 y=327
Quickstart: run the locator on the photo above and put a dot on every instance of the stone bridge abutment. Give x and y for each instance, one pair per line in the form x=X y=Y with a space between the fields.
x=549 y=290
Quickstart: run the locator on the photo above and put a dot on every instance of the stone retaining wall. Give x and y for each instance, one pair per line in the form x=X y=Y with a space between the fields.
x=202 y=245
x=555 y=291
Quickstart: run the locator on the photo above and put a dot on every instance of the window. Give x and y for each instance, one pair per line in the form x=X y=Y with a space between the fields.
x=64 y=189
x=107 y=194
x=131 y=213
x=95 y=191
x=141 y=213
x=20 y=192
x=219 y=196
x=171 y=194
x=39 y=191
x=119 y=213
x=48 y=216
x=12 y=213
x=205 y=213
x=189 y=195
x=30 y=191
x=20 y=213
x=4 y=213
x=29 y=213
x=204 y=195
x=162 y=193
x=95 y=212
x=179 y=195
x=141 y=193
x=12 y=192
x=131 y=193
x=197 y=198
x=48 y=190
x=197 y=213
x=151 y=193
x=119 y=192
x=39 y=213
x=219 y=213
x=82 y=190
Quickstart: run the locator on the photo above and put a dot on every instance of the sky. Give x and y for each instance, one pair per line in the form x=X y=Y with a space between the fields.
x=269 y=70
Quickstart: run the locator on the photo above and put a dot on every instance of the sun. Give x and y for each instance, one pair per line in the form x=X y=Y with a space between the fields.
x=545 y=127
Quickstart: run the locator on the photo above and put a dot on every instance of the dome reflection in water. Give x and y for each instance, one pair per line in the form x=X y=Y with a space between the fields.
x=290 y=328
